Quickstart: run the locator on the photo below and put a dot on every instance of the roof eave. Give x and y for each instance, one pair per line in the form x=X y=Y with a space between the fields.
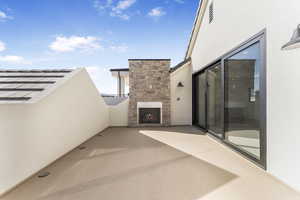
x=120 y=70
x=181 y=64
x=196 y=27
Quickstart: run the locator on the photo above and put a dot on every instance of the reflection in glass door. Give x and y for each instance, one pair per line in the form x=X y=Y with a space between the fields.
x=201 y=100
x=242 y=99
x=214 y=100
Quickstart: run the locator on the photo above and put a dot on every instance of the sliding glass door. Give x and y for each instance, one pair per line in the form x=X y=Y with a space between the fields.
x=214 y=100
x=231 y=99
x=242 y=99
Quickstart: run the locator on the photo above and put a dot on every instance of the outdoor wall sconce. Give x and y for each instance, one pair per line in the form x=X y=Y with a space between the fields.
x=180 y=84
x=294 y=42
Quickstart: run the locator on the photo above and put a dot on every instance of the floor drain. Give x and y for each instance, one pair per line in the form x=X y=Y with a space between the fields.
x=44 y=174
x=82 y=148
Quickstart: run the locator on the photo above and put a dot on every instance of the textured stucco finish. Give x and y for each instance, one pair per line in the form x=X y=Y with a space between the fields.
x=181 y=97
x=149 y=81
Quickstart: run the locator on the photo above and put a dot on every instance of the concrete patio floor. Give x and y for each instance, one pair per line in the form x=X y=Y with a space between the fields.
x=174 y=163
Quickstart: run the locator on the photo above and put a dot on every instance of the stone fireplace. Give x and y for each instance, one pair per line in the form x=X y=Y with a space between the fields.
x=149 y=92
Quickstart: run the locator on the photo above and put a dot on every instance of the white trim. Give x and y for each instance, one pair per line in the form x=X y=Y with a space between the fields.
x=197 y=24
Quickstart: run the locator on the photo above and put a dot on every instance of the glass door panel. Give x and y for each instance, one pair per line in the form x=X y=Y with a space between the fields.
x=242 y=99
x=201 y=100
x=214 y=100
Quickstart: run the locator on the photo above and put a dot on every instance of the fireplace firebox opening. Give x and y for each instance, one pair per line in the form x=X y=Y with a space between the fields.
x=149 y=115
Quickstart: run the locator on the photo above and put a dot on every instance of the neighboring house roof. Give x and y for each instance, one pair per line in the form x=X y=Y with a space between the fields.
x=151 y=59
x=196 y=27
x=113 y=100
x=173 y=69
x=28 y=86
x=120 y=70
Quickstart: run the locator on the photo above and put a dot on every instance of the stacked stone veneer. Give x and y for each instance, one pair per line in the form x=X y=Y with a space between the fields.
x=149 y=81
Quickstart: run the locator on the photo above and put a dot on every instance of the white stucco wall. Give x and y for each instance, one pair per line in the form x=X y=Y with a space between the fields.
x=34 y=135
x=118 y=114
x=181 y=110
x=236 y=21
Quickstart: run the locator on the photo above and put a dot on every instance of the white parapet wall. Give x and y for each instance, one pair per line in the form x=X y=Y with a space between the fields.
x=33 y=135
x=181 y=97
x=119 y=114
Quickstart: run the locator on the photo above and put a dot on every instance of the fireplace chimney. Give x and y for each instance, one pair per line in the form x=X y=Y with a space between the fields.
x=149 y=89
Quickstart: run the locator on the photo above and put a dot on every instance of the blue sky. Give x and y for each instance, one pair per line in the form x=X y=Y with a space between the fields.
x=97 y=34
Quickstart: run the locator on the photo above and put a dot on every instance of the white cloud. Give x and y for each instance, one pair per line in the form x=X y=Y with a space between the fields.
x=125 y=4
x=4 y=16
x=120 y=15
x=179 y=1
x=118 y=10
x=119 y=48
x=157 y=12
x=11 y=59
x=114 y=10
x=102 y=6
x=68 y=44
x=2 y=46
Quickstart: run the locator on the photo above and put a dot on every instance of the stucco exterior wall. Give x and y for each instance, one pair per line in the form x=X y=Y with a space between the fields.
x=118 y=114
x=235 y=22
x=181 y=98
x=34 y=135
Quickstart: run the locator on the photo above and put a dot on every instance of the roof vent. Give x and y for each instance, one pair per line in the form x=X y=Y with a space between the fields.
x=211 y=12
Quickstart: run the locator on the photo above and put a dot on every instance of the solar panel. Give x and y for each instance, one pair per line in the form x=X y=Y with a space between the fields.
x=15 y=98
x=32 y=76
x=27 y=82
x=24 y=85
x=21 y=89
x=35 y=71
